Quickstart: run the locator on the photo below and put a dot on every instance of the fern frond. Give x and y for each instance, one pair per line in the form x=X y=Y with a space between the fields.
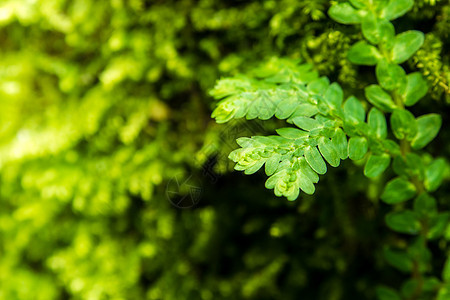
x=328 y=129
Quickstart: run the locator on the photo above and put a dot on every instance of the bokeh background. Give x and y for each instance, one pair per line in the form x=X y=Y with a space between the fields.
x=115 y=182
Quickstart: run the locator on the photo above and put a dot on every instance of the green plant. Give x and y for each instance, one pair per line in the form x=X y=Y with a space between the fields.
x=329 y=129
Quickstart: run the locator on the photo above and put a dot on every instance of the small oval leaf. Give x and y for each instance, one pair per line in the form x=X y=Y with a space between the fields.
x=362 y=53
x=357 y=148
x=315 y=160
x=344 y=13
x=398 y=190
x=406 y=44
x=416 y=88
x=377 y=122
x=329 y=152
x=428 y=127
x=404 y=222
x=379 y=98
x=376 y=164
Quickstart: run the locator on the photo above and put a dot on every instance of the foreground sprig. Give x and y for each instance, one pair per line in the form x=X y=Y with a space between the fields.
x=327 y=129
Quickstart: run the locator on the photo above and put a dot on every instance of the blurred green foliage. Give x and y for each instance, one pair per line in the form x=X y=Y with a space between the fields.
x=104 y=103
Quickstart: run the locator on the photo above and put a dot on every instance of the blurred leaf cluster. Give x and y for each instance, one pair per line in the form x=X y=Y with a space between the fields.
x=104 y=103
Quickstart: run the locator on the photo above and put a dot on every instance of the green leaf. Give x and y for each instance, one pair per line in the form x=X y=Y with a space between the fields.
x=253 y=168
x=398 y=259
x=303 y=110
x=437 y=225
x=359 y=3
x=286 y=108
x=290 y=178
x=391 y=147
x=404 y=222
x=431 y=284
x=410 y=165
x=306 y=123
x=387 y=32
x=415 y=164
x=334 y=96
x=340 y=143
x=357 y=148
x=406 y=44
x=362 y=53
x=307 y=171
x=354 y=111
x=398 y=190
x=315 y=160
x=387 y=293
x=272 y=164
x=318 y=86
x=376 y=30
x=403 y=124
x=261 y=105
x=425 y=205
x=444 y=292
x=305 y=185
x=416 y=88
x=396 y=8
x=390 y=76
x=428 y=127
x=370 y=27
x=329 y=151
x=446 y=271
x=344 y=13
x=420 y=253
x=409 y=287
x=379 y=98
x=434 y=174
x=292 y=133
x=400 y=166
x=376 y=164
x=377 y=122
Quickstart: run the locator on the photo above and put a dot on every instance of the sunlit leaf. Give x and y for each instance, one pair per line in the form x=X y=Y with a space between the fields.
x=428 y=127
x=362 y=53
